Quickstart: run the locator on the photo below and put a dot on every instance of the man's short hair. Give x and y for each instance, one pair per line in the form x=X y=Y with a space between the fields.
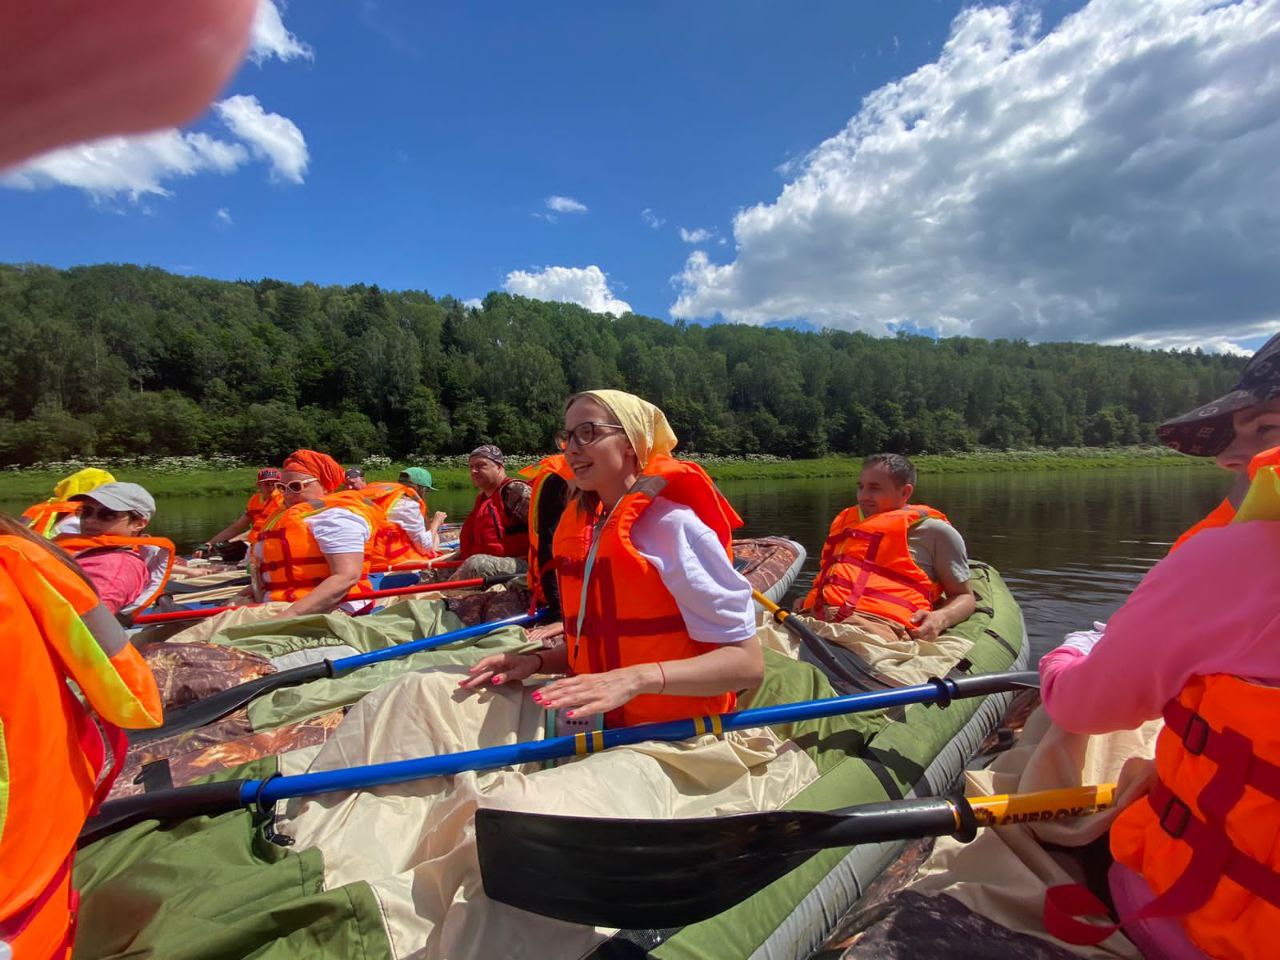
x=899 y=467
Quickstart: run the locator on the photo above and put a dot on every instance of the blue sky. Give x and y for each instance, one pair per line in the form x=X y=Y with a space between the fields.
x=986 y=170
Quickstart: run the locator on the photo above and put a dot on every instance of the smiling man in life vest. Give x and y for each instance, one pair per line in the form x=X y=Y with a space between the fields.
x=891 y=566
x=495 y=536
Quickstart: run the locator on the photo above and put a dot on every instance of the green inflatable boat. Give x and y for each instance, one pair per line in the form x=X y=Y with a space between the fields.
x=392 y=872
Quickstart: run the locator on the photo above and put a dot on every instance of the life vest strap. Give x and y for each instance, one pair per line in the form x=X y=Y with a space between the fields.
x=629 y=626
x=1199 y=738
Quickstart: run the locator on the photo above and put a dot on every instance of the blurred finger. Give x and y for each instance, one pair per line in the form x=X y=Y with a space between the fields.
x=74 y=70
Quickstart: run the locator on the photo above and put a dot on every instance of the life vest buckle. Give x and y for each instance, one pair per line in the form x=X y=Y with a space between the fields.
x=1195 y=735
x=1175 y=817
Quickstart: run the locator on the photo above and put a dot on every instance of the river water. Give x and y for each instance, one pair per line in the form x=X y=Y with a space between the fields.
x=1070 y=544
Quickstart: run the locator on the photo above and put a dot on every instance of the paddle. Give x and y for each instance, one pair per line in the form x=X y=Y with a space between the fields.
x=201 y=612
x=836 y=671
x=189 y=716
x=212 y=798
x=655 y=874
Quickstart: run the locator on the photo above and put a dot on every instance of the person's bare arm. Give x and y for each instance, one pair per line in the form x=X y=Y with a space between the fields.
x=238 y=526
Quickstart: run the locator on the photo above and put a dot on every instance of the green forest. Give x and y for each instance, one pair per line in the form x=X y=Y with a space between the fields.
x=126 y=361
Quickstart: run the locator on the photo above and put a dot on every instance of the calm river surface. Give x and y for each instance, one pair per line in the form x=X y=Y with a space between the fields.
x=1070 y=544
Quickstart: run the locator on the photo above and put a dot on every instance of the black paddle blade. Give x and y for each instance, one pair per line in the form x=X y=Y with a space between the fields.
x=176 y=803
x=191 y=716
x=631 y=874
x=667 y=873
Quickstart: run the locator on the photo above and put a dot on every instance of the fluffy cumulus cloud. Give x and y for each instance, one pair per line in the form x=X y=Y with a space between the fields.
x=271 y=38
x=586 y=286
x=130 y=166
x=269 y=135
x=651 y=219
x=1114 y=179
x=136 y=166
x=565 y=204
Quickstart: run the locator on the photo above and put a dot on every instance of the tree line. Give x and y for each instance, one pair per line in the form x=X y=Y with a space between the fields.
x=119 y=360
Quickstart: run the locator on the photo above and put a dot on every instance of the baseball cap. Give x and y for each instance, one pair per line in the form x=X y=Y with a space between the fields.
x=490 y=452
x=268 y=473
x=354 y=472
x=122 y=496
x=417 y=476
x=1206 y=430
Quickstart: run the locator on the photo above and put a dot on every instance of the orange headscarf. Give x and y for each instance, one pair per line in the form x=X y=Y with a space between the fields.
x=319 y=465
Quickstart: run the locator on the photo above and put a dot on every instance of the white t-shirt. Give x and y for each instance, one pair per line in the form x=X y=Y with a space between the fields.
x=714 y=599
x=407 y=515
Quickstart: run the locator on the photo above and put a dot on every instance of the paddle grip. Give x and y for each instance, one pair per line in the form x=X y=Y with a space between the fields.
x=984 y=684
x=189 y=716
x=198 y=800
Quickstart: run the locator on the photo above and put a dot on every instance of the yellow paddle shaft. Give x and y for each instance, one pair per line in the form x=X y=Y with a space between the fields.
x=770 y=605
x=1007 y=808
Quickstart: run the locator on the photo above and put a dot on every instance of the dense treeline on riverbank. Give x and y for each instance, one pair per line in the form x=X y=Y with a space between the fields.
x=198 y=476
x=122 y=360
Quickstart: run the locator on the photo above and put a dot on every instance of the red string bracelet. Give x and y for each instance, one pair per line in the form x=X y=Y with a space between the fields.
x=664 y=677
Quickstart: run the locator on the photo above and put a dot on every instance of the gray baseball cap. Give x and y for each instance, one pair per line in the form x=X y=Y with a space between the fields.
x=122 y=496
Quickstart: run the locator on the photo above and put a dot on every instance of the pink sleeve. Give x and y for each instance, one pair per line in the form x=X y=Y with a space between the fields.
x=118 y=575
x=1212 y=606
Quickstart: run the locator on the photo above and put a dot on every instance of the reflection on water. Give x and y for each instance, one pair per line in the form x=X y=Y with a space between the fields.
x=1071 y=545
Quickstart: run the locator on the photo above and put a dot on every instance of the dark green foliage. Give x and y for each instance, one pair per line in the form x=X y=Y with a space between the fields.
x=122 y=360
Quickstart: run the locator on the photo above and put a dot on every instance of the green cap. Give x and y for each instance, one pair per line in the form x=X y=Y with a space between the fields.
x=417 y=476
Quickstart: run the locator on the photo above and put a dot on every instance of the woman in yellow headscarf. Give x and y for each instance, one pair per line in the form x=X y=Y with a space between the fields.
x=58 y=514
x=658 y=624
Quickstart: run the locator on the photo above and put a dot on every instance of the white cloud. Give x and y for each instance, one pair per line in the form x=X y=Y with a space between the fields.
x=270 y=37
x=651 y=219
x=223 y=216
x=586 y=286
x=565 y=205
x=1112 y=180
x=269 y=135
x=696 y=235
x=141 y=165
x=475 y=303
x=134 y=166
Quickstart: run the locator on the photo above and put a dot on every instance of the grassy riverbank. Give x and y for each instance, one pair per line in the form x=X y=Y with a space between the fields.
x=193 y=476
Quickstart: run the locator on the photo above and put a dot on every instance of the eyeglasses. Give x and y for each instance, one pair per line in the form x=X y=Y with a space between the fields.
x=295 y=486
x=88 y=512
x=585 y=434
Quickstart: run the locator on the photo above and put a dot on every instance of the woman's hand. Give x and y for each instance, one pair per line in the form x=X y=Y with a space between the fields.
x=590 y=693
x=545 y=631
x=501 y=668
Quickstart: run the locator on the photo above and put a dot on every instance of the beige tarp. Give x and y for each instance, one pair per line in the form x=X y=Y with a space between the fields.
x=414 y=843
x=1004 y=873
x=904 y=661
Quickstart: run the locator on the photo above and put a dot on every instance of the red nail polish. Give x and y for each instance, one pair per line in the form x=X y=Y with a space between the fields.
x=569 y=713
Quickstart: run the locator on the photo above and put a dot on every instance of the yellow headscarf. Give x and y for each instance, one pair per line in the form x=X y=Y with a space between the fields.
x=84 y=481
x=646 y=426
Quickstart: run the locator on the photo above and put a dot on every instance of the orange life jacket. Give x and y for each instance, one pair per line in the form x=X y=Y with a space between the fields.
x=555 y=465
x=1207 y=836
x=391 y=544
x=259 y=510
x=1225 y=512
x=292 y=564
x=42 y=518
x=147 y=548
x=53 y=757
x=628 y=615
x=867 y=567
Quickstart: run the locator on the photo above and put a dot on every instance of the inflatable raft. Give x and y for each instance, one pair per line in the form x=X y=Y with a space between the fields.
x=392 y=872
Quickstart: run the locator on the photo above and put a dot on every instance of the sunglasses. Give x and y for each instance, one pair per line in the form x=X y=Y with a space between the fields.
x=584 y=434
x=295 y=486
x=90 y=512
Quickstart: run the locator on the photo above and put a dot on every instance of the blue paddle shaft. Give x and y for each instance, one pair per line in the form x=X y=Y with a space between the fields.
x=488 y=758
x=346 y=664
